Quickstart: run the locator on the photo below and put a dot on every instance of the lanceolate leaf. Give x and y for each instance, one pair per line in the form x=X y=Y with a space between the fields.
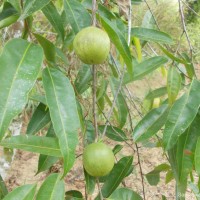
x=54 y=18
x=31 y=6
x=156 y=93
x=116 y=175
x=18 y=72
x=120 y=102
x=48 y=47
x=63 y=111
x=173 y=84
x=39 y=119
x=90 y=183
x=144 y=68
x=45 y=162
x=83 y=79
x=36 y=144
x=3 y=189
x=25 y=192
x=151 y=123
x=53 y=188
x=125 y=194
x=77 y=15
x=119 y=41
x=197 y=156
x=8 y=15
x=151 y=35
x=181 y=115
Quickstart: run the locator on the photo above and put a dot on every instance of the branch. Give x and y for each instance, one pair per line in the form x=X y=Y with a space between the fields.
x=184 y=27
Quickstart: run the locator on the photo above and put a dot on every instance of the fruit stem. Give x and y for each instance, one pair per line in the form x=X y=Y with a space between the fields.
x=94 y=10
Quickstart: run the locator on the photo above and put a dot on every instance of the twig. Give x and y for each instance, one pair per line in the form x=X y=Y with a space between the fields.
x=94 y=88
x=123 y=72
x=190 y=8
x=184 y=27
x=99 y=188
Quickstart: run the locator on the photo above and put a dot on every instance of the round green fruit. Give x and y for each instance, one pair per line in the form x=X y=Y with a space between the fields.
x=98 y=159
x=92 y=45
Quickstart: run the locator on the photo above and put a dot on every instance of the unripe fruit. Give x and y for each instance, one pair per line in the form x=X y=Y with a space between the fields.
x=92 y=45
x=98 y=159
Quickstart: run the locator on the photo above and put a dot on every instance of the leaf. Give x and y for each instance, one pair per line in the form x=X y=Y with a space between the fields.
x=54 y=18
x=153 y=35
x=150 y=124
x=77 y=15
x=197 y=157
x=156 y=93
x=125 y=194
x=73 y=195
x=138 y=48
x=48 y=47
x=25 y=192
x=148 y=20
x=31 y=6
x=114 y=133
x=169 y=177
x=181 y=115
x=3 y=189
x=89 y=133
x=120 y=102
x=15 y=4
x=144 y=68
x=83 y=79
x=171 y=56
x=53 y=188
x=39 y=119
x=173 y=84
x=45 y=162
x=117 y=149
x=18 y=72
x=63 y=111
x=36 y=144
x=119 y=41
x=194 y=188
x=8 y=15
x=153 y=177
x=90 y=183
x=117 y=174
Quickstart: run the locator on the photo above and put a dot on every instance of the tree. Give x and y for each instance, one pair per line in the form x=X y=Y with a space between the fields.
x=64 y=100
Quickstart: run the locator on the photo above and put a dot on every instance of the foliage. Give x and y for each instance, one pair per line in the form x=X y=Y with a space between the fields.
x=79 y=104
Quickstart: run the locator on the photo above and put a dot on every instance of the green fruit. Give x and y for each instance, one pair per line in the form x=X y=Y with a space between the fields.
x=98 y=159
x=92 y=45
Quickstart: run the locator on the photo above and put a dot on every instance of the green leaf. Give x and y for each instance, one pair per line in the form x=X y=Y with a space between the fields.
x=25 y=192
x=197 y=157
x=171 y=56
x=89 y=133
x=54 y=18
x=117 y=149
x=77 y=15
x=173 y=84
x=119 y=41
x=90 y=183
x=3 y=189
x=169 y=177
x=124 y=194
x=156 y=93
x=36 y=144
x=53 y=188
x=148 y=20
x=194 y=188
x=73 y=195
x=63 y=111
x=117 y=174
x=83 y=79
x=8 y=15
x=153 y=177
x=114 y=133
x=31 y=6
x=15 y=4
x=181 y=115
x=151 y=35
x=144 y=68
x=45 y=162
x=18 y=72
x=120 y=102
x=48 y=47
x=39 y=119
x=150 y=124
